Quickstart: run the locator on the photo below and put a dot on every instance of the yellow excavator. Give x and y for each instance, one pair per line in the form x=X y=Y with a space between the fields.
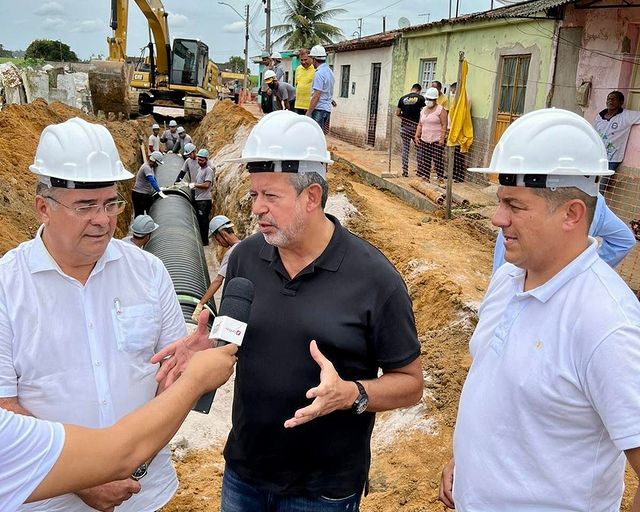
x=182 y=76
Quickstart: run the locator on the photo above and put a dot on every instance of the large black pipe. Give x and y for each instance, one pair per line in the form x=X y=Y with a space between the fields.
x=177 y=241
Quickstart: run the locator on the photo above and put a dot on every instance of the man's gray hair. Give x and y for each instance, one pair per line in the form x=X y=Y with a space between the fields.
x=304 y=180
x=561 y=195
x=44 y=190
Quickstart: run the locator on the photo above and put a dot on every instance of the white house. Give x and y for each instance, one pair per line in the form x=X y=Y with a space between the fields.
x=362 y=69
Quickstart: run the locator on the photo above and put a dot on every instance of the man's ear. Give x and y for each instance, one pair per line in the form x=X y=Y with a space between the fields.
x=43 y=209
x=314 y=195
x=575 y=212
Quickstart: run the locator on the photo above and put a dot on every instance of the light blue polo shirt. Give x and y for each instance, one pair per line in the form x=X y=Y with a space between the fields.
x=323 y=82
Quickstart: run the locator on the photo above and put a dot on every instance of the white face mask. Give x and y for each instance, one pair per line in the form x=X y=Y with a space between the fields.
x=430 y=103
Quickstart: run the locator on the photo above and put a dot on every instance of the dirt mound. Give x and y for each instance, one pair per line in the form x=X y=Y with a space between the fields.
x=22 y=124
x=219 y=127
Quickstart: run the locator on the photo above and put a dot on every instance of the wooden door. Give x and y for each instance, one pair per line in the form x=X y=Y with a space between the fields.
x=373 y=103
x=514 y=72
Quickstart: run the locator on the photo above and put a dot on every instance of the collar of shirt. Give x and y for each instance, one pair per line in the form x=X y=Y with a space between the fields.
x=544 y=292
x=40 y=259
x=603 y=112
x=330 y=259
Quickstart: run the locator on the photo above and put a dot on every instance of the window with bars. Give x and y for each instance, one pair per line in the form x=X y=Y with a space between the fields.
x=513 y=83
x=345 y=72
x=427 y=73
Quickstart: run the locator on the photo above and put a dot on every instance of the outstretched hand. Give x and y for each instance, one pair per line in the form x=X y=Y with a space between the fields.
x=330 y=395
x=175 y=357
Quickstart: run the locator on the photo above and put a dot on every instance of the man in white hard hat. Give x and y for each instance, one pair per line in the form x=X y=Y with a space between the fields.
x=202 y=193
x=146 y=185
x=550 y=405
x=183 y=139
x=141 y=229
x=268 y=103
x=154 y=139
x=276 y=58
x=42 y=459
x=81 y=313
x=170 y=137
x=190 y=166
x=321 y=89
x=303 y=410
x=284 y=94
x=221 y=230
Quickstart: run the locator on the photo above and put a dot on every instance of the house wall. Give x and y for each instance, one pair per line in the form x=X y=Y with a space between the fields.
x=351 y=115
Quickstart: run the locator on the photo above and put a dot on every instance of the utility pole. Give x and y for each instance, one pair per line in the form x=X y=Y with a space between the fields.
x=267 y=11
x=359 y=28
x=246 y=47
x=384 y=24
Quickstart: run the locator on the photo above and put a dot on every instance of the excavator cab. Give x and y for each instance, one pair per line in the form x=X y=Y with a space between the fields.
x=189 y=63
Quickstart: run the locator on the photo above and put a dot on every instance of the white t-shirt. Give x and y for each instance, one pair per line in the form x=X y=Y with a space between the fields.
x=28 y=450
x=154 y=141
x=80 y=354
x=615 y=132
x=551 y=399
x=222 y=271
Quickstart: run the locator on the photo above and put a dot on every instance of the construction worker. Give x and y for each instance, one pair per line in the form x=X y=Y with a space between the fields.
x=303 y=80
x=276 y=59
x=312 y=281
x=221 y=230
x=154 y=139
x=321 y=89
x=146 y=185
x=549 y=408
x=82 y=312
x=42 y=459
x=141 y=229
x=202 y=197
x=284 y=94
x=183 y=139
x=170 y=137
x=269 y=103
x=190 y=166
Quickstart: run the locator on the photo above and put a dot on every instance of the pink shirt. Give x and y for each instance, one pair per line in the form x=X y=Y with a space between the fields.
x=431 y=127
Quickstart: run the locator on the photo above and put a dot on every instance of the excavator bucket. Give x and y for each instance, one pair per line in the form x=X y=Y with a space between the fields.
x=109 y=85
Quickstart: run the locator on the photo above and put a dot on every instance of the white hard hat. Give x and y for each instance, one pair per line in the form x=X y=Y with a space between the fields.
x=189 y=148
x=203 y=153
x=180 y=129
x=155 y=126
x=432 y=93
x=157 y=156
x=75 y=154
x=318 y=51
x=284 y=136
x=173 y=123
x=219 y=222
x=269 y=74
x=556 y=144
x=276 y=55
x=143 y=225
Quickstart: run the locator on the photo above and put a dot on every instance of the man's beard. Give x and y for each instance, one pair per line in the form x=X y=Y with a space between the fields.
x=285 y=237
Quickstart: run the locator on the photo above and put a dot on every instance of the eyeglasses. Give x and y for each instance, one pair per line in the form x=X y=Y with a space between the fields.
x=112 y=208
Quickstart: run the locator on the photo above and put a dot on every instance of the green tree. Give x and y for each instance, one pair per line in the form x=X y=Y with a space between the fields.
x=5 y=53
x=236 y=64
x=306 y=23
x=50 y=50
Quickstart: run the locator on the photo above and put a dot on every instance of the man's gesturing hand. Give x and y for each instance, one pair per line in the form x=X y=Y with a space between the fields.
x=446 y=485
x=331 y=394
x=180 y=352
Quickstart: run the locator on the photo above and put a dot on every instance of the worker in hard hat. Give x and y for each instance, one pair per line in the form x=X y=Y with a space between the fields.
x=276 y=59
x=141 y=229
x=220 y=230
x=321 y=101
x=551 y=398
x=154 y=138
x=170 y=136
x=284 y=94
x=268 y=103
x=42 y=459
x=183 y=139
x=202 y=193
x=146 y=185
x=190 y=166
x=304 y=410
x=81 y=313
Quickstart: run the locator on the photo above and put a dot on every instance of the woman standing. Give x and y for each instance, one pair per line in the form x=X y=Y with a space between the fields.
x=429 y=137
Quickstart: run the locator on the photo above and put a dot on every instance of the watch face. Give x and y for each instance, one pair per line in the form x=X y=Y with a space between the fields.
x=361 y=404
x=139 y=472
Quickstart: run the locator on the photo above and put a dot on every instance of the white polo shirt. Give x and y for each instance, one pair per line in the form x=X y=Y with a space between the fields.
x=28 y=450
x=80 y=354
x=553 y=395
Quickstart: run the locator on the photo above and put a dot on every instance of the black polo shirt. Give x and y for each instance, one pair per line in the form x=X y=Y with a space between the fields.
x=354 y=303
x=410 y=106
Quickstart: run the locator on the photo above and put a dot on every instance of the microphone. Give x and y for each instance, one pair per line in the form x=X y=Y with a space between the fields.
x=230 y=324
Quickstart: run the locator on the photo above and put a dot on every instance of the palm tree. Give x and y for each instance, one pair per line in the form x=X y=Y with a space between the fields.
x=306 y=24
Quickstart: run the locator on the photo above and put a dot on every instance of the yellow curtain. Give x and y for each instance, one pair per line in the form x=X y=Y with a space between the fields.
x=461 y=130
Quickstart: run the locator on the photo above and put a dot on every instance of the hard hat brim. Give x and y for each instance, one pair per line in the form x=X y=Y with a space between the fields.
x=124 y=175
x=558 y=172
x=270 y=159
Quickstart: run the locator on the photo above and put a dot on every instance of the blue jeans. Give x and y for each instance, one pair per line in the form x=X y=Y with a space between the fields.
x=239 y=496
x=322 y=118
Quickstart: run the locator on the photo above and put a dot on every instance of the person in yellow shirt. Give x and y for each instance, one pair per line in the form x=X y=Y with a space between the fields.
x=442 y=99
x=303 y=80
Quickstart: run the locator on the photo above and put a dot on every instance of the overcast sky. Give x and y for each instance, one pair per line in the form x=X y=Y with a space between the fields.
x=84 y=24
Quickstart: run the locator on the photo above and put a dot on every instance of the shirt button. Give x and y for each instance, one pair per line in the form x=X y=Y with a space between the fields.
x=104 y=402
x=90 y=325
x=98 y=363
